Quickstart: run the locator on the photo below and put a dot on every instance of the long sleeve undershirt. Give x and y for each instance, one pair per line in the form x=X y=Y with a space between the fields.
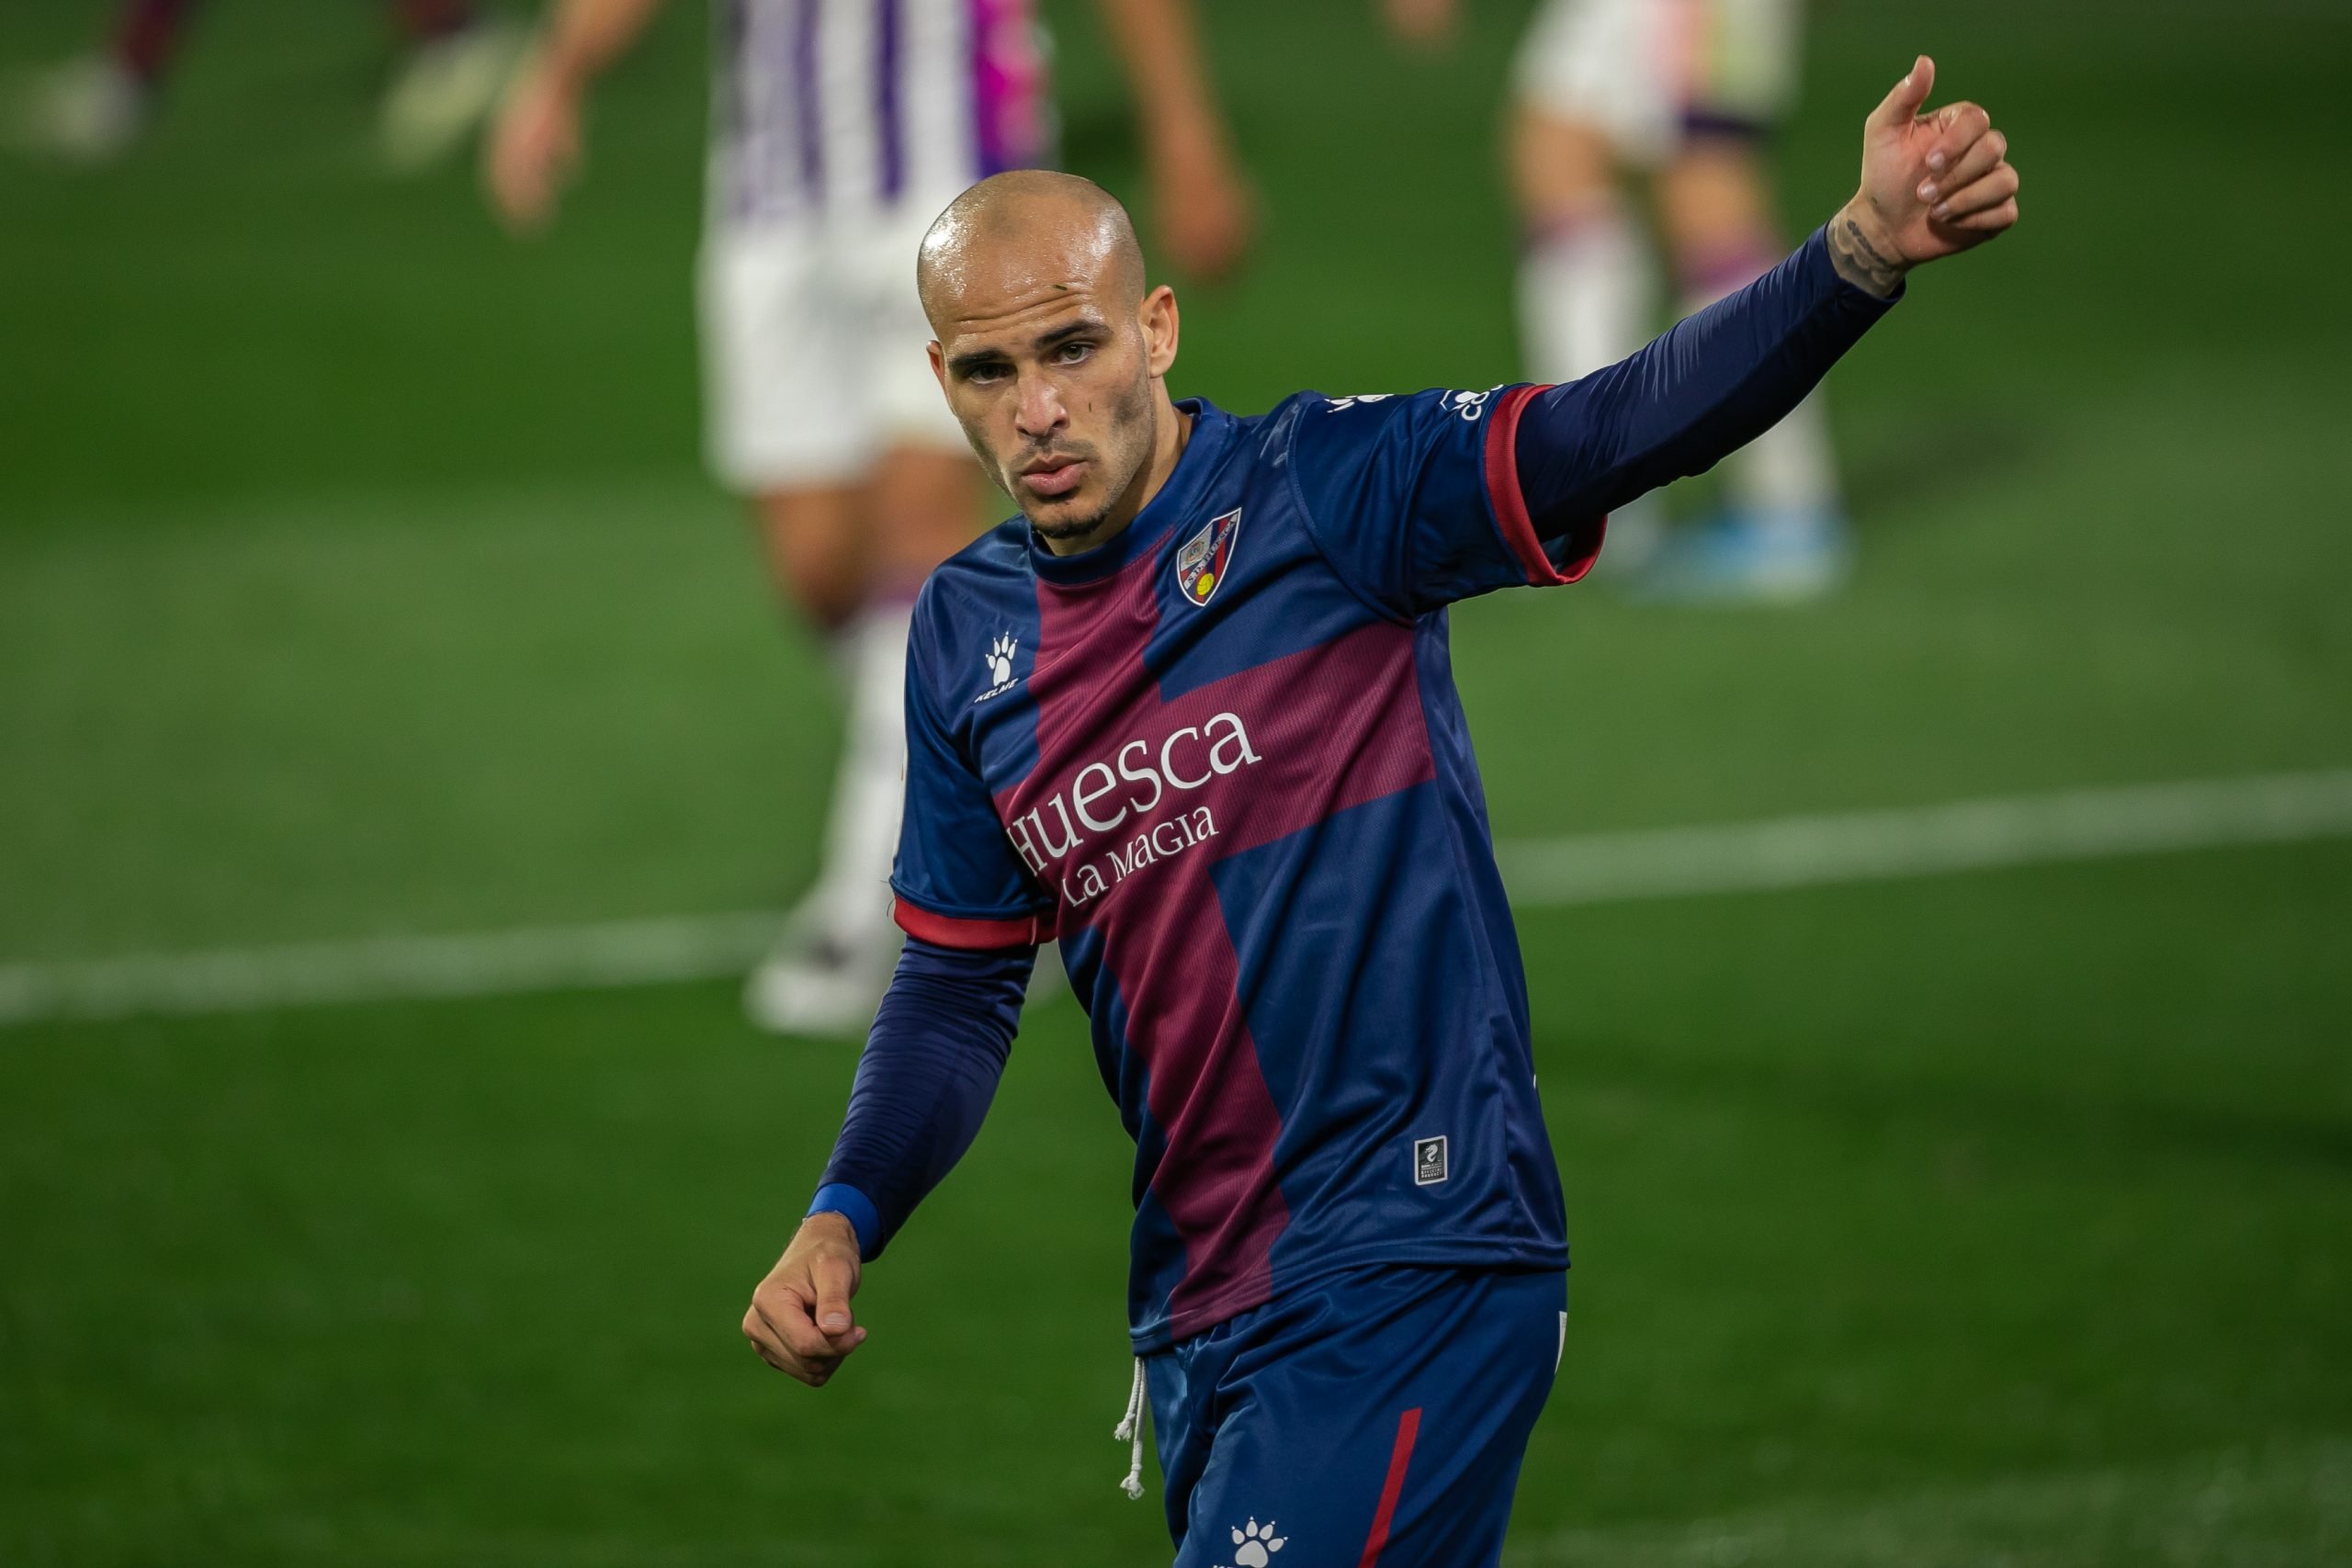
x=930 y=1069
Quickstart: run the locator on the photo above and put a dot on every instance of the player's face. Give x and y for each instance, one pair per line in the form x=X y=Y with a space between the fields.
x=1056 y=387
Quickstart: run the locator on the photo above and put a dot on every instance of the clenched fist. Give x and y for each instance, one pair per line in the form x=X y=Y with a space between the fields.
x=1933 y=185
x=799 y=1319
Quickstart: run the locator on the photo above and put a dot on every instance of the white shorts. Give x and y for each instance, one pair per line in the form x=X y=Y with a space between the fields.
x=814 y=358
x=1649 y=73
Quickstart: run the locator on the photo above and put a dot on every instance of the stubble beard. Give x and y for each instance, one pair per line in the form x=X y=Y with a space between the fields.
x=1136 y=414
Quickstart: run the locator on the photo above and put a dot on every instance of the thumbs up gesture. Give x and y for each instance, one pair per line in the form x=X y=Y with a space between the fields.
x=1934 y=184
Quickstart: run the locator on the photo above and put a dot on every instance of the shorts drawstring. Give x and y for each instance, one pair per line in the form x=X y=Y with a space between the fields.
x=1130 y=1432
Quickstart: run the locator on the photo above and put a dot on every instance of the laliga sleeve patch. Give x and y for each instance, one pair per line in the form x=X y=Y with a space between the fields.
x=1201 y=563
x=1429 y=1161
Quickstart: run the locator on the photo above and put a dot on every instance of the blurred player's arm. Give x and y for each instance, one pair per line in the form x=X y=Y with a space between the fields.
x=1424 y=24
x=1198 y=195
x=534 y=149
x=924 y=1082
x=1932 y=186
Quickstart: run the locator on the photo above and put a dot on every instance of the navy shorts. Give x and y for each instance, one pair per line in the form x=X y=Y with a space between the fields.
x=1379 y=1418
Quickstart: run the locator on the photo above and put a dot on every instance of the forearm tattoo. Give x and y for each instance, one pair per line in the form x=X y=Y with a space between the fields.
x=1859 y=262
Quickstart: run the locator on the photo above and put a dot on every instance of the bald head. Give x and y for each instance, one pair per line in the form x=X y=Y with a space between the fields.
x=1025 y=232
x=1052 y=352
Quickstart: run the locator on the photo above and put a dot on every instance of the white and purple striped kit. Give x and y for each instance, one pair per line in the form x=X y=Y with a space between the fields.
x=831 y=108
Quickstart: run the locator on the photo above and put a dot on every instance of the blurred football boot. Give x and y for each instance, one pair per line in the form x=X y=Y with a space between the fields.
x=83 y=111
x=443 y=91
x=818 y=985
x=1747 y=557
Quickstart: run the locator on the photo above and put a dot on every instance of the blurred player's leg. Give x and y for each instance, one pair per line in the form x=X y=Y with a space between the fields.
x=457 y=64
x=789 y=429
x=1587 y=279
x=1782 y=533
x=926 y=501
x=1587 y=284
x=824 y=403
x=93 y=110
x=837 y=945
x=812 y=537
x=858 y=567
x=834 y=956
x=1683 y=89
x=843 y=130
x=1728 y=70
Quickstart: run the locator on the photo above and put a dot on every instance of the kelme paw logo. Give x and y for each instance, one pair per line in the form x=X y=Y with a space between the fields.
x=1255 y=1546
x=1000 y=666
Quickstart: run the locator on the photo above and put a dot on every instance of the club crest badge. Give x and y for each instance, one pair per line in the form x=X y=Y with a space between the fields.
x=1200 y=564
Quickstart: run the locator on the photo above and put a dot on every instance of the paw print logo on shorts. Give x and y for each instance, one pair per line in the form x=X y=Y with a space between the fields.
x=1255 y=1546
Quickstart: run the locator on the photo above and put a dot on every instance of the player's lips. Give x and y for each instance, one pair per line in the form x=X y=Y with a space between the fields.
x=1054 y=476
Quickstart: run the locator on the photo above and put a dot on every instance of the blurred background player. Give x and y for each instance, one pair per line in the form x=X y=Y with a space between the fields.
x=840 y=128
x=1683 y=92
x=454 y=64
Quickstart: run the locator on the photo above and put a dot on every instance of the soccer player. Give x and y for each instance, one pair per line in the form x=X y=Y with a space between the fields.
x=1684 y=93
x=840 y=128
x=1190 y=711
x=454 y=63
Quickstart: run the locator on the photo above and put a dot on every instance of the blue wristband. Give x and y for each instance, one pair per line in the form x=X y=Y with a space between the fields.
x=856 y=1208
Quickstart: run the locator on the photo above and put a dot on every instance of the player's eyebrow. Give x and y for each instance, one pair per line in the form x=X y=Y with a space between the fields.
x=1070 y=329
x=973 y=359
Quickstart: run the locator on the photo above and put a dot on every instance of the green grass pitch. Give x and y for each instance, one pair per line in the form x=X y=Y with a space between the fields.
x=356 y=576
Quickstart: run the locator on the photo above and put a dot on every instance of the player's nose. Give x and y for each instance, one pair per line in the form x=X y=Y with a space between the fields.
x=1040 y=411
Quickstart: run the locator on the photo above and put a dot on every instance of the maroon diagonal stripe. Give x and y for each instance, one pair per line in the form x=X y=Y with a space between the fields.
x=1336 y=726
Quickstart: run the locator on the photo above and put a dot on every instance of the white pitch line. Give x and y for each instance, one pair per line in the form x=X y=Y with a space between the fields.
x=1968 y=835
x=553 y=958
x=1599 y=868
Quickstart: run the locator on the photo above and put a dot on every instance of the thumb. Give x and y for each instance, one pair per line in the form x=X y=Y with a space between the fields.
x=1902 y=104
x=831 y=1276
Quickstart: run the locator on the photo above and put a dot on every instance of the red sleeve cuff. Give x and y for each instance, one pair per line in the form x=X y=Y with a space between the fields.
x=953 y=930
x=1510 y=503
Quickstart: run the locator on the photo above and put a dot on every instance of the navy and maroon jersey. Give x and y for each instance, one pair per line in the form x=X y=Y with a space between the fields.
x=1221 y=760
x=827 y=110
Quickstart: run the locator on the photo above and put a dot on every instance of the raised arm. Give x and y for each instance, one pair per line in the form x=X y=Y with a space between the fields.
x=1198 y=195
x=535 y=147
x=923 y=1086
x=1933 y=185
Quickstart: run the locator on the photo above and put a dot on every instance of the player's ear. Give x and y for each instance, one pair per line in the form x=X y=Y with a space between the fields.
x=938 y=363
x=1159 y=329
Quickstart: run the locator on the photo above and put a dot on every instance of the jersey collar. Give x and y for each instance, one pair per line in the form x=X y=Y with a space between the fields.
x=1211 y=435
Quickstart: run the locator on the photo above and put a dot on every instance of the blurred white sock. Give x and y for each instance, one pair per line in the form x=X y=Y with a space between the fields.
x=850 y=902
x=1587 y=288
x=1787 y=478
